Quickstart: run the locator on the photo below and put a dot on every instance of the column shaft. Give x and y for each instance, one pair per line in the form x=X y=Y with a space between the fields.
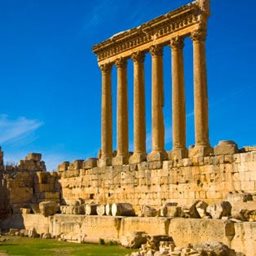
x=202 y=147
x=139 y=109
x=178 y=101
x=122 y=113
x=158 y=152
x=106 y=115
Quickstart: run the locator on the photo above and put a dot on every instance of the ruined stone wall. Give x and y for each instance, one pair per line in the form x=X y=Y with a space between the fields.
x=27 y=184
x=210 y=179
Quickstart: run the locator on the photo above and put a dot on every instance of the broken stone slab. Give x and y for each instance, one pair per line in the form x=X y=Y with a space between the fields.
x=148 y=211
x=134 y=240
x=201 y=207
x=214 y=248
x=226 y=147
x=219 y=210
x=171 y=210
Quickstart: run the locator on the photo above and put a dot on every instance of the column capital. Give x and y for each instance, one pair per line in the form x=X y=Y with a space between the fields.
x=199 y=35
x=138 y=57
x=156 y=50
x=121 y=63
x=177 y=42
x=106 y=67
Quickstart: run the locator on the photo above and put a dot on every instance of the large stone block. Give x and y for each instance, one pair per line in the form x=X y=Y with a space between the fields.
x=101 y=227
x=226 y=147
x=34 y=156
x=244 y=240
x=194 y=231
x=150 y=225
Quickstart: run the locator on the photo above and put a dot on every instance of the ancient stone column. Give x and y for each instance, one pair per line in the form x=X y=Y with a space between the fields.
x=106 y=116
x=139 y=154
x=179 y=150
x=202 y=147
x=122 y=113
x=158 y=152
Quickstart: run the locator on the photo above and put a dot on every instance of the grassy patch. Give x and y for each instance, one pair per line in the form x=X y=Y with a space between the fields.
x=40 y=247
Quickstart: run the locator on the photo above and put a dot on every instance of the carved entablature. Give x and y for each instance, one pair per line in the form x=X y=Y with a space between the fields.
x=159 y=31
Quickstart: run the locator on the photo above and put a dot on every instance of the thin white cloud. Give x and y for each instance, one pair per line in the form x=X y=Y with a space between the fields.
x=12 y=130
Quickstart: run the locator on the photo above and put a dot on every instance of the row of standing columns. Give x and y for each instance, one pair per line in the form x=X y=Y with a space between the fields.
x=178 y=106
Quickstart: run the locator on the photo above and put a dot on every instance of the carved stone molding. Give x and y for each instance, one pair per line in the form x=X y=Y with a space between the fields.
x=199 y=35
x=121 y=63
x=138 y=57
x=106 y=67
x=156 y=50
x=177 y=42
x=181 y=21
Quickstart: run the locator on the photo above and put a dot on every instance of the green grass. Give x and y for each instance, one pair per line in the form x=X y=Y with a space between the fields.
x=37 y=247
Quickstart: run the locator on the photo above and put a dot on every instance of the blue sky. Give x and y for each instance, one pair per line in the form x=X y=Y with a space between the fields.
x=51 y=85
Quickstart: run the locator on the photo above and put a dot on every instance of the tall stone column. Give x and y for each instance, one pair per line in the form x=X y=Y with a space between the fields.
x=202 y=146
x=179 y=150
x=106 y=116
x=139 y=154
x=158 y=153
x=122 y=114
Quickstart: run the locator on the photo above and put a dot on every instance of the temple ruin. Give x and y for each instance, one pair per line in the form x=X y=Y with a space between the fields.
x=190 y=195
x=167 y=30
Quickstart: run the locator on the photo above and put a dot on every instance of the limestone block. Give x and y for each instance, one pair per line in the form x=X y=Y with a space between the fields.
x=48 y=208
x=133 y=240
x=149 y=225
x=219 y=210
x=63 y=166
x=201 y=207
x=36 y=221
x=122 y=209
x=34 y=156
x=90 y=163
x=244 y=240
x=194 y=231
x=148 y=211
x=171 y=210
x=101 y=227
x=77 y=165
x=226 y=147
x=242 y=210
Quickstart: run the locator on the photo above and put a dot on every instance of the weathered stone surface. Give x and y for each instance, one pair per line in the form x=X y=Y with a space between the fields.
x=122 y=209
x=226 y=147
x=244 y=240
x=171 y=210
x=48 y=208
x=90 y=163
x=194 y=231
x=149 y=225
x=133 y=240
x=147 y=211
x=219 y=210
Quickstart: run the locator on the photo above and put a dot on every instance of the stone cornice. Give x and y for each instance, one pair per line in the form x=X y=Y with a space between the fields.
x=177 y=21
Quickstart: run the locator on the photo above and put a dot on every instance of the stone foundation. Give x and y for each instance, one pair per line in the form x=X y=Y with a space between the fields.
x=210 y=179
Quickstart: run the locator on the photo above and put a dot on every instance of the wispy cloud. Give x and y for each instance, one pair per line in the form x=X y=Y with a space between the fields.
x=13 y=130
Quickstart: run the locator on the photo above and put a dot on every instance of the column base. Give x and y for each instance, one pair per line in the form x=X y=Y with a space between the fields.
x=178 y=153
x=102 y=162
x=200 y=151
x=157 y=156
x=137 y=158
x=120 y=160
